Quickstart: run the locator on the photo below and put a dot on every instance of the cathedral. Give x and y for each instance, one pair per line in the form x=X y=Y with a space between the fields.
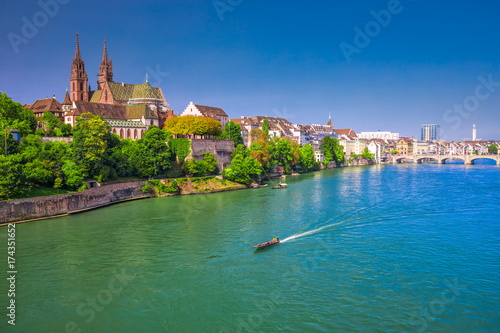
x=122 y=105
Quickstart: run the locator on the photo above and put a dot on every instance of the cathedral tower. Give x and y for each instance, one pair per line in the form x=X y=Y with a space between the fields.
x=106 y=68
x=78 y=80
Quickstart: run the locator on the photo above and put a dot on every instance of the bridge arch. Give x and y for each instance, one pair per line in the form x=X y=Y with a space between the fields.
x=429 y=157
x=487 y=157
x=444 y=159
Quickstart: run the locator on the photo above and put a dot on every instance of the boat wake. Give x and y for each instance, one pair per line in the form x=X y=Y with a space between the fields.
x=309 y=232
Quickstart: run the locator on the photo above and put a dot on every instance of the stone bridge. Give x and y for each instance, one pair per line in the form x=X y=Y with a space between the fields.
x=441 y=159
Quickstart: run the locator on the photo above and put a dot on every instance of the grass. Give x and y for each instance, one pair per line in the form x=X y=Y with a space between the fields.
x=40 y=191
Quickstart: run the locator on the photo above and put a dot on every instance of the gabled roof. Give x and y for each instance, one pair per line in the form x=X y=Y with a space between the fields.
x=48 y=104
x=125 y=92
x=95 y=96
x=125 y=123
x=136 y=111
x=346 y=131
x=210 y=111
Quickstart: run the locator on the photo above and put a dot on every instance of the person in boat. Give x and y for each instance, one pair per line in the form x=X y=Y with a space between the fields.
x=274 y=239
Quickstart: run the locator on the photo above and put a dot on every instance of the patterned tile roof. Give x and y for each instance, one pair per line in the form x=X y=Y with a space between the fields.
x=145 y=90
x=136 y=111
x=96 y=96
x=125 y=123
x=121 y=91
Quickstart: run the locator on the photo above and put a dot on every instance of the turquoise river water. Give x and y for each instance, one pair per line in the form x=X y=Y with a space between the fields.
x=395 y=248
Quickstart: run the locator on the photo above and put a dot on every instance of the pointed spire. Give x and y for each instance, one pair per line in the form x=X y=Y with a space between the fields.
x=146 y=77
x=77 y=51
x=329 y=116
x=105 y=52
x=67 y=100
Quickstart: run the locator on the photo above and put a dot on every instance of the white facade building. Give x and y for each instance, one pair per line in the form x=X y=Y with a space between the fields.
x=379 y=135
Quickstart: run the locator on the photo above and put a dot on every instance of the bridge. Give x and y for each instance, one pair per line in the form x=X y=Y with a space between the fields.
x=441 y=159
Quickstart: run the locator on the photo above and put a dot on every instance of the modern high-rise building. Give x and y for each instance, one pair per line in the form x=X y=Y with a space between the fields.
x=474 y=134
x=430 y=132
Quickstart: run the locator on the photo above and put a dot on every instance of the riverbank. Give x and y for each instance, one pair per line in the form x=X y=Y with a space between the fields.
x=39 y=208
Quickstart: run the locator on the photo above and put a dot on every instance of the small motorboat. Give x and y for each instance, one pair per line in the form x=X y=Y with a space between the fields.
x=265 y=185
x=280 y=185
x=267 y=244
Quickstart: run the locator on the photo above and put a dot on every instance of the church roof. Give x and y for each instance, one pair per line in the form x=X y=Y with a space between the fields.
x=125 y=123
x=48 y=104
x=136 y=111
x=95 y=96
x=107 y=111
x=125 y=92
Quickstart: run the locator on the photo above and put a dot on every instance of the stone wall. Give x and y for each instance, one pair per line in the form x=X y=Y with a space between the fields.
x=32 y=208
x=55 y=138
x=222 y=149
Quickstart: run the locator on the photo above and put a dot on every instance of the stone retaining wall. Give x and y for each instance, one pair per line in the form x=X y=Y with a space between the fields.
x=32 y=208
x=222 y=149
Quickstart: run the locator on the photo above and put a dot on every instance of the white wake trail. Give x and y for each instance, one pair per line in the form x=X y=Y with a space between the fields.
x=309 y=232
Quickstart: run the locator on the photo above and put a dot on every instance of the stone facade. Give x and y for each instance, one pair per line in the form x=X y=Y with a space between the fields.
x=222 y=149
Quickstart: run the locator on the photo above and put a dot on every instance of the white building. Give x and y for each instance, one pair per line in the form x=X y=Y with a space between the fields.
x=206 y=111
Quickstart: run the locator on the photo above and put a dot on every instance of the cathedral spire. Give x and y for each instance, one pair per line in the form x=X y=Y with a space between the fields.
x=105 y=52
x=77 y=51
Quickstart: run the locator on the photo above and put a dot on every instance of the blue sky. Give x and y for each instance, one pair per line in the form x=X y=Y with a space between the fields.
x=276 y=58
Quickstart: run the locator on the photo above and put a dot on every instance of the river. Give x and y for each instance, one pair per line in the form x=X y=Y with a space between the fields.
x=393 y=248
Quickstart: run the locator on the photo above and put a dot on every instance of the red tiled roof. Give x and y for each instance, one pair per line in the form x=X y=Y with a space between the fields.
x=49 y=104
x=210 y=111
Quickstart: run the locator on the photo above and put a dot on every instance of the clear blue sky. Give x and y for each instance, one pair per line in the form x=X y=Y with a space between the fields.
x=278 y=58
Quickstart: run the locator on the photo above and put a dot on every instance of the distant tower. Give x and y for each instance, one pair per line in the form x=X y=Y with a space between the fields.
x=474 y=132
x=106 y=68
x=329 y=122
x=78 y=80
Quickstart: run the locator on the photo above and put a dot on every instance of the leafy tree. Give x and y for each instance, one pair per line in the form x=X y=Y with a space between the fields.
x=211 y=163
x=333 y=150
x=493 y=149
x=10 y=175
x=73 y=174
x=242 y=169
x=65 y=130
x=181 y=148
x=265 y=127
x=354 y=156
x=190 y=167
x=89 y=143
x=232 y=131
x=257 y=134
x=14 y=115
x=193 y=125
x=306 y=161
x=366 y=154
x=151 y=156
x=50 y=122
x=283 y=153
x=394 y=152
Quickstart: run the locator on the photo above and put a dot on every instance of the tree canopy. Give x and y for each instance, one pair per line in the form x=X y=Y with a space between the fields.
x=183 y=125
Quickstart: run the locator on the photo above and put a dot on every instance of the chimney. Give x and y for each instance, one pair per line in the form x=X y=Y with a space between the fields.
x=54 y=96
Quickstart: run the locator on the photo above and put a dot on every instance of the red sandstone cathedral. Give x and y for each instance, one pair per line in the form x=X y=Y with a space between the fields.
x=129 y=109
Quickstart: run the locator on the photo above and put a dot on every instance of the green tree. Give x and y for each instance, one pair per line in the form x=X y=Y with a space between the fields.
x=211 y=163
x=354 y=156
x=265 y=127
x=50 y=123
x=193 y=125
x=243 y=167
x=394 y=152
x=493 y=149
x=89 y=143
x=306 y=161
x=232 y=131
x=10 y=175
x=73 y=174
x=190 y=167
x=151 y=156
x=366 y=154
x=333 y=150
x=14 y=116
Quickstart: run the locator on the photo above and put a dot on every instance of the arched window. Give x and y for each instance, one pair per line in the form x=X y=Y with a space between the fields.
x=81 y=85
x=121 y=133
x=129 y=135
x=142 y=133
x=135 y=134
x=114 y=130
x=81 y=97
x=73 y=87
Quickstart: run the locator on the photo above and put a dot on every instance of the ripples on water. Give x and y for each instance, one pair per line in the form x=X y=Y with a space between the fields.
x=364 y=249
